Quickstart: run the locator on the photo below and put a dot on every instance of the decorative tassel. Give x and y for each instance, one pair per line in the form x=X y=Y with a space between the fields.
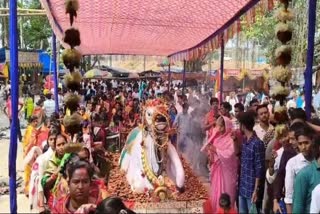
x=72 y=123
x=72 y=6
x=284 y=32
x=71 y=101
x=283 y=55
x=73 y=81
x=71 y=59
x=72 y=37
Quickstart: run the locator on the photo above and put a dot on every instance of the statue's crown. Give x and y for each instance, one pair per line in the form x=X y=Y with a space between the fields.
x=159 y=104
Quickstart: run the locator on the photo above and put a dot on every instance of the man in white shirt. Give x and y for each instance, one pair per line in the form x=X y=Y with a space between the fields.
x=49 y=106
x=182 y=123
x=264 y=125
x=315 y=200
x=298 y=162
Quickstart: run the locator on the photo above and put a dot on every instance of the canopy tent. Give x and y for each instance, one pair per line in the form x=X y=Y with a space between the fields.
x=172 y=28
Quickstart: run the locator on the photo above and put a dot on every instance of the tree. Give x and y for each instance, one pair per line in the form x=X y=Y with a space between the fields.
x=195 y=65
x=36 y=29
x=262 y=33
x=4 y=25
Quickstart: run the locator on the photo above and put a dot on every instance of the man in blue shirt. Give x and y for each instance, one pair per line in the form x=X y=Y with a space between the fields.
x=252 y=164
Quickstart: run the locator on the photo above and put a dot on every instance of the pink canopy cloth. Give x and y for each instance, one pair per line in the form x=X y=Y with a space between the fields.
x=177 y=28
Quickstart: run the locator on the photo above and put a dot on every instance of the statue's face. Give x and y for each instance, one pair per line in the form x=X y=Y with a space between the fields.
x=154 y=118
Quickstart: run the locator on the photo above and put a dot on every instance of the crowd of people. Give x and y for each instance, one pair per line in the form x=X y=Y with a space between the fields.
x=258 y=156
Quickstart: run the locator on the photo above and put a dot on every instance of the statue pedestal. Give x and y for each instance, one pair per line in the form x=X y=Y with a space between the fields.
x=193 y=200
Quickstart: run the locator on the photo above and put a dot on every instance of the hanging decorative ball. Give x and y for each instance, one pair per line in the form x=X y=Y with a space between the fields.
x=284 y=32
x=71 y=59
x=72 y=37
x=281 y=74
x=71 y=101
x=285 y=3
x=281 y=115
x=72 y=6
x=279 y=92
x=283 y=55
x=284 y=15
x=73 y=81
x=72 y=123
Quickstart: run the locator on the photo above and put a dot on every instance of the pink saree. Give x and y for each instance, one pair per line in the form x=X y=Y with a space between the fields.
x=224 y=169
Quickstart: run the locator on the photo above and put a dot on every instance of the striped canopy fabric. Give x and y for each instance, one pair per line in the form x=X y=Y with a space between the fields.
x=147 y=27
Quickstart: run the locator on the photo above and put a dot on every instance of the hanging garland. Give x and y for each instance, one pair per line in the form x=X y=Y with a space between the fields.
x=282 y=72
x=71 y=58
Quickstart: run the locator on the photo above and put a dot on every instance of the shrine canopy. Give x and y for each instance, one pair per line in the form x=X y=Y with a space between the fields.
x=175 y=28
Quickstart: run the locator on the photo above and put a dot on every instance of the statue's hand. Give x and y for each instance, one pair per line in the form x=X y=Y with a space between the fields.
x=181 y=189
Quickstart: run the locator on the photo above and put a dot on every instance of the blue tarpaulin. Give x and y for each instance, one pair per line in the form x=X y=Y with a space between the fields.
x=45 y=59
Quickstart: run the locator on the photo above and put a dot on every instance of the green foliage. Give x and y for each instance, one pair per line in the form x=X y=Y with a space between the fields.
x=263 y=33
x=36 y=29
x=262 y=30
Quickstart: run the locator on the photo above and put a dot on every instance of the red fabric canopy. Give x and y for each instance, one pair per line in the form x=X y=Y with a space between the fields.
x=147 y=27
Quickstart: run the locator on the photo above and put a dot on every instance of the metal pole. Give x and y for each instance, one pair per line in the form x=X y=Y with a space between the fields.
x=14 y=75
x=184 y=84
x=310 y=55
x=169 y=77
x=55 y=75
x=221 y=68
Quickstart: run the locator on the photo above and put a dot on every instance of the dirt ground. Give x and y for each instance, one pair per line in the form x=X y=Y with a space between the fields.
x=22 y=200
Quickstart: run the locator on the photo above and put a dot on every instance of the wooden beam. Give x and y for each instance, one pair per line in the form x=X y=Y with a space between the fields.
x=25 y=14
x=24 y=10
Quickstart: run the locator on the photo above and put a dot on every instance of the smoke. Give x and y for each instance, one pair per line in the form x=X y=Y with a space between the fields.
x=195 y=136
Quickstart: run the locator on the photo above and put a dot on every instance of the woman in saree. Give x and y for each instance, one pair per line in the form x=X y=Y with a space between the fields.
x=43 y=132
x=224 y=168
x=30 y=136
x=52 y=175
x=29 y=105
x=36 y=195
x=84 y=194
x=29 y=141
x=28 y=161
